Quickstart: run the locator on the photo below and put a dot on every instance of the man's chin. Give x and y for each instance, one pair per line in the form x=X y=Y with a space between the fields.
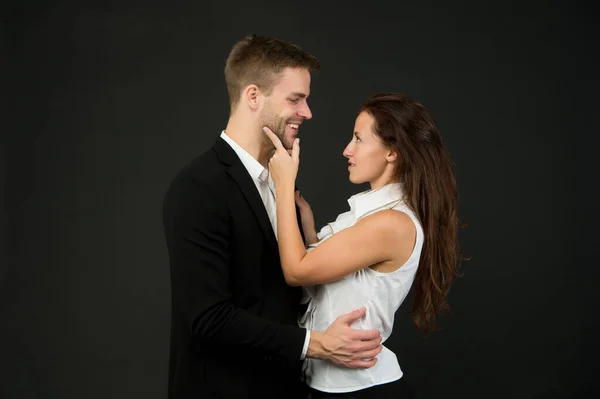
x=285 y=141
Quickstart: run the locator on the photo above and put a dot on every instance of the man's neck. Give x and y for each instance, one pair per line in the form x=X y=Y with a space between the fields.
x=246 y=136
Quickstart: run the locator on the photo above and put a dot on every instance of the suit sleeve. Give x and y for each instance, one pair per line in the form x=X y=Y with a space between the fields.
x=195 y=218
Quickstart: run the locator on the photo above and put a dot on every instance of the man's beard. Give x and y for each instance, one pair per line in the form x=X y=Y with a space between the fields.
x=277 y=126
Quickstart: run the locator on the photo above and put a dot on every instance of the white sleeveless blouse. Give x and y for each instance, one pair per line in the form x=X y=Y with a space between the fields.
x=381 y=293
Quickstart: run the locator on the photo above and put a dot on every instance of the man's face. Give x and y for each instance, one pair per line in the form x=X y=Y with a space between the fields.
x=286 y=107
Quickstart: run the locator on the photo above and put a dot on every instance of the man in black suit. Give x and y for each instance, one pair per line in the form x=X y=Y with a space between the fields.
x=234 y=330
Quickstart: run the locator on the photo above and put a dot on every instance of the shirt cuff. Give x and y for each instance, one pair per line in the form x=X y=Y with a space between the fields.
x=306 y=342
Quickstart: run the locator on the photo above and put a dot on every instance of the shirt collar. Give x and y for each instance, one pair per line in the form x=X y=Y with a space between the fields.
x=370 y=200
x=255 y=169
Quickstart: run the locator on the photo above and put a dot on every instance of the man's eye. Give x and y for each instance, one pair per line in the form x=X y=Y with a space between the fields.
x=295 y=100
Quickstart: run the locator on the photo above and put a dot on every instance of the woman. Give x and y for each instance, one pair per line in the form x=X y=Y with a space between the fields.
x=401 y=231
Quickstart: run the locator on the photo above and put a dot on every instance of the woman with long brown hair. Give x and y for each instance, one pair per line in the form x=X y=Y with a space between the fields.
x=400 y=233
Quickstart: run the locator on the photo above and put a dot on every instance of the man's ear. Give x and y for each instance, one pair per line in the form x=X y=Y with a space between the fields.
x=252 y=96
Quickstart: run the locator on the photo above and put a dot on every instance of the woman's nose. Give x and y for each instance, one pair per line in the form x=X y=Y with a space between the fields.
x=347 y=151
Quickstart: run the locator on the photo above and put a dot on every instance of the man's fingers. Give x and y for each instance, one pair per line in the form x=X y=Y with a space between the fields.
x=366 y=346
x=368 y=354
x=357 y=348
x=351 y=317
x=367 y=335
x=361 y=364
x=273 y=137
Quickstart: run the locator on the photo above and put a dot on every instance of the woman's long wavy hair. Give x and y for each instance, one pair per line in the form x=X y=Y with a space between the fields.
x=427 y=173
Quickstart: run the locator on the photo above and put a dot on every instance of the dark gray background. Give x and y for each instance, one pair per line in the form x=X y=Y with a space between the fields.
x=108 y=100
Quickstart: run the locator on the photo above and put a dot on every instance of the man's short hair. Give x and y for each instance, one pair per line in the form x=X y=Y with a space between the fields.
x=259 y=60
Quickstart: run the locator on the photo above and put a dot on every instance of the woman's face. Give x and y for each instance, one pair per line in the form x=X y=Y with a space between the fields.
x=369 y=160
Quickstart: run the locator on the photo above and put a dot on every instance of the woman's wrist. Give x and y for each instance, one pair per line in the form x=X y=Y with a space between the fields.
x=285 y=186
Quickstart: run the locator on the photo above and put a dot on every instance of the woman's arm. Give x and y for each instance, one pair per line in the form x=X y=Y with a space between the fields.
x=372 y=240
x=307 y=220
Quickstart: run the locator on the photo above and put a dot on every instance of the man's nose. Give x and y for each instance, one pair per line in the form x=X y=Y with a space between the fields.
x=305 y=112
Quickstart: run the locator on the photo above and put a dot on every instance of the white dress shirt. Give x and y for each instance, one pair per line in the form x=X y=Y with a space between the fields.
x=266 y=188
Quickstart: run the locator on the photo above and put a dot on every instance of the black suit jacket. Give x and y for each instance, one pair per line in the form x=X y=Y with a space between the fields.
x=234 y=331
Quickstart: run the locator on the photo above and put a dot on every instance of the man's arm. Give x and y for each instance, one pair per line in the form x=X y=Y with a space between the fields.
x=195 y=218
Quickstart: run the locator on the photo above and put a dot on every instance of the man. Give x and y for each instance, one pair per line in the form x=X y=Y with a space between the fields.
x=234 y=331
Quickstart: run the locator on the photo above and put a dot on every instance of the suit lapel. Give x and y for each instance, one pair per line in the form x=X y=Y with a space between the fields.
x=242 y=178
x=240 y=175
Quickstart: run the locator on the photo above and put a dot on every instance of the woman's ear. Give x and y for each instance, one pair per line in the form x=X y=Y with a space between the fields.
x=391 y=156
